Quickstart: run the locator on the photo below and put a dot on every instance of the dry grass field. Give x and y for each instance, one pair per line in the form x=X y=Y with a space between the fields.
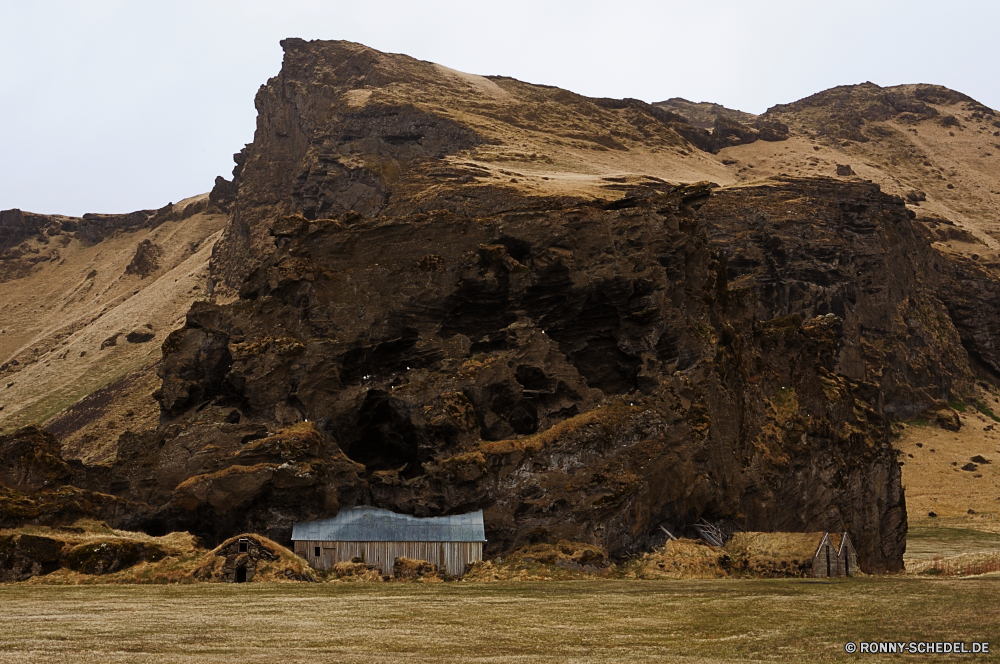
x=587 y=621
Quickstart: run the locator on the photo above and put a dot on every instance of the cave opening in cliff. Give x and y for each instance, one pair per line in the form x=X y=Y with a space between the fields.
x=478 y=306
x=385 y=438
x=516 y=248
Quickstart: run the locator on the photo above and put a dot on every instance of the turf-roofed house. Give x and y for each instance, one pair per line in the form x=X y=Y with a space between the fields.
x=377 y=537
x=817 y=554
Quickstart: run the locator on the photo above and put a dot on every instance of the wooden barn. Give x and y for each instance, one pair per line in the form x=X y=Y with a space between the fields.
x=818 y=554
x=377 y=537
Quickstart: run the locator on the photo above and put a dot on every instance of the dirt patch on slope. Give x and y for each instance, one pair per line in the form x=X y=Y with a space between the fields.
x=57 y=318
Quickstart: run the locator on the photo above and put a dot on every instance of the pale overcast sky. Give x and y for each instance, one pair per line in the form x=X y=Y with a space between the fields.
x=115 y=105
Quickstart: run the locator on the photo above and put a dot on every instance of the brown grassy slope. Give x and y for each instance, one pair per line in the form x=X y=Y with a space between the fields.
x=56 y=319
x=556 y=143
x=949 y=151
x=537 y=140
x=89 y=428
x=956 y=166
x=966 y=502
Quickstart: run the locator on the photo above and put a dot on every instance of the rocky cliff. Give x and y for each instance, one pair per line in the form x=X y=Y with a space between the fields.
x=445 y=292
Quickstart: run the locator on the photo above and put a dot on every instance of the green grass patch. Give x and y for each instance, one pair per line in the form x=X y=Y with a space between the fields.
x=956 y=404
x=987 y=411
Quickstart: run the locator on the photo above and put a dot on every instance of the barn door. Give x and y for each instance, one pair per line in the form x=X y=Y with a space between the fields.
x=828 y=561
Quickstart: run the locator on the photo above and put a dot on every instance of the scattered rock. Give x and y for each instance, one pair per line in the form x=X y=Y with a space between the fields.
x=140 y=336
x=979 y=459
x=947 y=419
x=969 y=466
x=932 y=515
x=915 y=196
x=146 y=259
x=844 y=169
x=111 y=341
x=971 y=512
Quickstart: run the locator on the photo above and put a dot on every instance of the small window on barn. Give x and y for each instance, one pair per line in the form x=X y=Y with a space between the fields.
x=244 y=546
x=316 y=551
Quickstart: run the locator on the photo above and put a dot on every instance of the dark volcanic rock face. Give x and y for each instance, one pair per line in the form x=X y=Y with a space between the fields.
x=38 y=487
x=579 y=373
x=318 y=153
x=345 y=128
x=819 y=248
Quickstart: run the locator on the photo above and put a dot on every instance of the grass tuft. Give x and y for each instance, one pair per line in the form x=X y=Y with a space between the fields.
x=987 y=411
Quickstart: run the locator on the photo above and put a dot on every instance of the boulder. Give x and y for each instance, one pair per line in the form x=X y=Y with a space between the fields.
x=24 y=556
x=140 y=336
x=31 y=461
x=109 y=556
x=111 y=341
x=146 y=259
x=947 y=419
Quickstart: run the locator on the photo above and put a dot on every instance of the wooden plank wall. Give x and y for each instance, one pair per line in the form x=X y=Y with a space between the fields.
x=450 y=557
x=848 y=562
x=840 y=565
x=820 y=561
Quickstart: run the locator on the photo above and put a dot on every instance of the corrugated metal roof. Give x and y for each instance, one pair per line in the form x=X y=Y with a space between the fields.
x=373 y=524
